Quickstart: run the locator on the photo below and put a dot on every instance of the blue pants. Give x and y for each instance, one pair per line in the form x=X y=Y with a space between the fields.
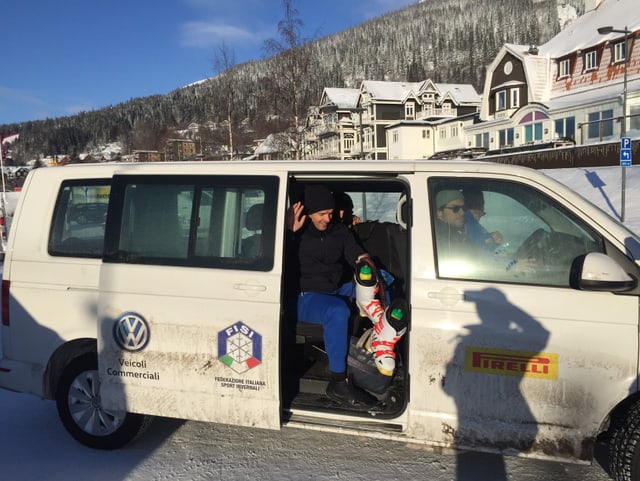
x=332 y=311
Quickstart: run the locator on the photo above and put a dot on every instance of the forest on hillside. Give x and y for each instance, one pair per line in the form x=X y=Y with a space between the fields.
x=446 y=41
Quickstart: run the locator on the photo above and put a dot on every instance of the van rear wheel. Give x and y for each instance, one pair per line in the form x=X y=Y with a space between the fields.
x=624 y=446
x=81 y=411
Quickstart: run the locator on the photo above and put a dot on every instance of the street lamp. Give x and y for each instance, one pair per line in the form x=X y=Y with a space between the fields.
x=623 y=126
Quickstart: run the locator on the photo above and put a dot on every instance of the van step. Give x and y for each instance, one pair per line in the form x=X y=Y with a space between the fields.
x=360 y=424
x=313 y=386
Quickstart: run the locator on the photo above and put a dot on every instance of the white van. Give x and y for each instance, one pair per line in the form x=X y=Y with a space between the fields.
x=138 y=290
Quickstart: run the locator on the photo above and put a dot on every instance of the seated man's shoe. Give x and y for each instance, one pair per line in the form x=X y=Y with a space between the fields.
x=345 y=393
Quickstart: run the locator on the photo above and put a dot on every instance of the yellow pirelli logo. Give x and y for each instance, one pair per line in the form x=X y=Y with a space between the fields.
x=504 y=362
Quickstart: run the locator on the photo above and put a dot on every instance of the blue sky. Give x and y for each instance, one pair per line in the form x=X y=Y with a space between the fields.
x=65 y=56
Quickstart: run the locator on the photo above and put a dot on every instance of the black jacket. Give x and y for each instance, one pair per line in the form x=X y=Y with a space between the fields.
x=326 y=258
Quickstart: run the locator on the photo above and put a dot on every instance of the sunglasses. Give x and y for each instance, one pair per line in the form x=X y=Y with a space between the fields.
x=455 y=209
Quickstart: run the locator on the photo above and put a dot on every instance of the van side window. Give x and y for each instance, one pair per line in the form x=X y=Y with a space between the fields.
x=77 y=228
x=505 y=232
x=200 y=221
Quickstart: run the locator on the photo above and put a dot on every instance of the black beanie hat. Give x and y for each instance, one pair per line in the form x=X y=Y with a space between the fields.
x=317 y=198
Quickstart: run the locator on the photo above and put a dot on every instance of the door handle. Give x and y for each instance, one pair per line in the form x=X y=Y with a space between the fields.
x=250 y=287
x=449 y=296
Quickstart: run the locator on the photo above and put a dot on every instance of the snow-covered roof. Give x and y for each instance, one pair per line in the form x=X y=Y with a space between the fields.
x=268 y=146
x=538 y=70
x=381 y=90
x=580 y=34
x=583 y=32
x=398 y=91
x=273 y=144
x=340 y=97
x=7 y=139
x=462 y=93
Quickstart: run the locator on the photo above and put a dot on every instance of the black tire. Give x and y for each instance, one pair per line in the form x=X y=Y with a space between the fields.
x=624 y=445
x=81 y=412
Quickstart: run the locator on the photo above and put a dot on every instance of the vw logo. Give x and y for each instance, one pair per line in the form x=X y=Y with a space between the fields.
x=131 y=332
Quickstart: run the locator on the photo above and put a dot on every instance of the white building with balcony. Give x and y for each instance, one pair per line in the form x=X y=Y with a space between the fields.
x=331 y=130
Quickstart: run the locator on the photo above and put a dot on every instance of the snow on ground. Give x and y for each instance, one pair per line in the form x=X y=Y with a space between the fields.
x=602 y=186
x=35 y=447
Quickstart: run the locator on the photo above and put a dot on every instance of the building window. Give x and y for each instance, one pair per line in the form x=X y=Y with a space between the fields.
x=533 y=125
x=348 y=145
x=394 y=136
x=564 y=68
x=634 y=120
x=566 y=128
x=505 y=138
x=620 y=52
x=454 y=131
x=482 y=140
x=426 y=134
x=515 y=98
x=533 y=132
x=409 y=110
x=590 y=61
x=501 y=100
x=600 y=124
x=443 y=133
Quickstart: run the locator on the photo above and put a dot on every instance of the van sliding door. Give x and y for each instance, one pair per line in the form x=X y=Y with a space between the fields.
x=189 y=300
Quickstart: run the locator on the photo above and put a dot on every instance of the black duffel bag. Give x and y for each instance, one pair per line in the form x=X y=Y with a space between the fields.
x=361 y=367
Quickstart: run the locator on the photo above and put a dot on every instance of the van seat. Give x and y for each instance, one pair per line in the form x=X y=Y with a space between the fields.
x=252 y=245
x=386 y=243
x=308 y=332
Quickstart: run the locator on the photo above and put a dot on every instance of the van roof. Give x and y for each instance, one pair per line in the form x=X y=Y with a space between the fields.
x=355 y=166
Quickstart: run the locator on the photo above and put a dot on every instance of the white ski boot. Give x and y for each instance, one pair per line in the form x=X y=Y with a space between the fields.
x=366 y=291
x=389 y=324
x=386 y=333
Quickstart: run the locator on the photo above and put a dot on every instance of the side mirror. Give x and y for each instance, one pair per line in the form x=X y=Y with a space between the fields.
x=599 y=272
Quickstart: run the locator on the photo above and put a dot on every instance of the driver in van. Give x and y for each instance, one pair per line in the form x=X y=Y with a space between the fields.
x=327 y=255
x=452 y=239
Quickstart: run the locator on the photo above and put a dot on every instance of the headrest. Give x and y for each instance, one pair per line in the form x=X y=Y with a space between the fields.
x=253 y=221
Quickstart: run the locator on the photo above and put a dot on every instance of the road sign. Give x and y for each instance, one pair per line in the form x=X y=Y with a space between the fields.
x=625 y=152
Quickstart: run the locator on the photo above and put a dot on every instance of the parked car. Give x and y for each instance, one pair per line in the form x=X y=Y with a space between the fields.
x=159 y=310
x=8 y=201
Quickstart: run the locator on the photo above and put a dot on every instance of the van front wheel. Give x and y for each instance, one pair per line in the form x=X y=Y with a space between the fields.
x=81 y=411
x=624 y=446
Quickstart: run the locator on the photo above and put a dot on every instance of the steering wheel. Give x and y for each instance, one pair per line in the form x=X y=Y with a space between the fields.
x=537 y=245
